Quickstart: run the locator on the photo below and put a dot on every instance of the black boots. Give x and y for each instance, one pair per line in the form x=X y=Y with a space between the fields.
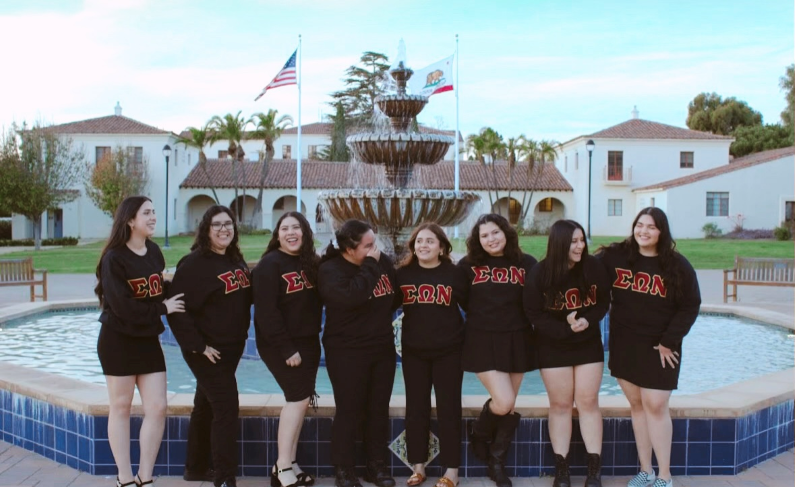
x=498 y=452
x=562 y=478
x=594 y=478
x=481 y=432
x=345 y=476
x=378 y=474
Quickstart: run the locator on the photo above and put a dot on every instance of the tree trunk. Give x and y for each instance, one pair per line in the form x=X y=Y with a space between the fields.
x=265 y=160
x=37 y=232
x=203 y=164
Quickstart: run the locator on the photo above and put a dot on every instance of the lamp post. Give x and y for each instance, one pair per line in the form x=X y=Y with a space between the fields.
x=590 y=147
x=167 y=153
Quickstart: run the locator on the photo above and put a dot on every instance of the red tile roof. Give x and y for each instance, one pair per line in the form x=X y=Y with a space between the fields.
x=735 y=165
x=112 y=124
x=324 y=128
x=644 y=129
x=331 y=175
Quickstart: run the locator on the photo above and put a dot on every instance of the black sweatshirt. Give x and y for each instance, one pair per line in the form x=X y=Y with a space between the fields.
x=133 y=291
x=217 y=301
x=359 y=302
x=286 y=304
x=496 y=290
x=430 y=299
x=643 y=304
x=550 y=322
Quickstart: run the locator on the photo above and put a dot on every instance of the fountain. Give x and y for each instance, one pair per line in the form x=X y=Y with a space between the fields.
x=394 y=211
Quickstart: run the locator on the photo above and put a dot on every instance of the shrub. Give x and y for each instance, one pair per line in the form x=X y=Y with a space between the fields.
x=784 y=232
x=246 y=229
x=28 y=242
x=711 y=230
x=5 y=229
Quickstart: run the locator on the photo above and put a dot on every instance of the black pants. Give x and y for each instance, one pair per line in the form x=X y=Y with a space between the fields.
x=443 y=372
x=362 y=382
x=213 y=422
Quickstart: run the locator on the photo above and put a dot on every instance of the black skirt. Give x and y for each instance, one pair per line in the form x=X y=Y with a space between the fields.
x=297 y=383
x=634 y=359
x=509 y=351
x=124 y=355
x=552 y=354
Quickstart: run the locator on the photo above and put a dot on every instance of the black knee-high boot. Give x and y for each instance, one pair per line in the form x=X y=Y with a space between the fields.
x=481 y=432
x=498 y=453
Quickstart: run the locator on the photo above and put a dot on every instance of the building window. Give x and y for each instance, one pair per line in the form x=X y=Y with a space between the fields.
x=652 y=203
x=789 y=211
x=614 y=207
x=576 y=161
x=287 y=152
x=514 y=211
x=565 y=163
x=686 y=160
x=102 y=153
x=176 y=157
x=136 y=155
x=189 y=159
x=615 y=165
x=222 y=154
x=718 y=204
x=545 y=205
x=312 y=152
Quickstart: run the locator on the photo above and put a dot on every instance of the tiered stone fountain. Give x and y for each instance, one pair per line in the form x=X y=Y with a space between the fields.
x=394 y=211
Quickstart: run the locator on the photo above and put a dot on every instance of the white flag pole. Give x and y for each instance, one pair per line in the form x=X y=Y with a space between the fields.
x=298 y=154
x=457 y=156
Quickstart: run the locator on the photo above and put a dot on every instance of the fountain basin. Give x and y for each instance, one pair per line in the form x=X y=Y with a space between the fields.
x=398 y=153
x=401 y=109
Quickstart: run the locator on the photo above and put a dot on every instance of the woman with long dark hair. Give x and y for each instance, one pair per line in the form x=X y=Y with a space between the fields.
x=655 y=301
x=287 y=315
x=432 y=287
x=566 y=295
x=212 y=335
x=131 y=294
x=498 y=338
x=356 y=283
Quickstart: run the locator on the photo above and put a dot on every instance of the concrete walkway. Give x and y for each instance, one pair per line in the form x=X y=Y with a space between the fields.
x=22 y=467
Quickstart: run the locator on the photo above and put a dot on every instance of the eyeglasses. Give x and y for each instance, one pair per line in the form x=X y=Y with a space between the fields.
x=217 y=226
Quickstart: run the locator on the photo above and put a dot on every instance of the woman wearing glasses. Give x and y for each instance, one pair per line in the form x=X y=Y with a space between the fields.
x=212 y=335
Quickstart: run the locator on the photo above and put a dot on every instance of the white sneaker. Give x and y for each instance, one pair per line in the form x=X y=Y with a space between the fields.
x=663 y=483
x=643 y=479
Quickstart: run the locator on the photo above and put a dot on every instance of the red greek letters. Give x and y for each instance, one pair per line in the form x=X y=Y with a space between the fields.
x=640 y=282
x=427 y=294
x=296 y=281
x=143 y=287
x=234 y=280
x=484 y=273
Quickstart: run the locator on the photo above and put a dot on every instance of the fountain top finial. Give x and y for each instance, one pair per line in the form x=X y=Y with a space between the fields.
x=399 y=72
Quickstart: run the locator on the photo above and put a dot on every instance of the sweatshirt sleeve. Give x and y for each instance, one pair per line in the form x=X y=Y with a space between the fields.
x=687 y=307
x=597 y=274
x=353 y=291
x=270 y=323
x=187 y=280
x=466 y=283
x=136 y=317
x=535 y=309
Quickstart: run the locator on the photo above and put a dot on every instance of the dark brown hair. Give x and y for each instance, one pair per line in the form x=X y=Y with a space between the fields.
x=307 y=254
x=444 y=243
x=555 y=268
x=202 y=240
x=477 y=254
x=347 y=237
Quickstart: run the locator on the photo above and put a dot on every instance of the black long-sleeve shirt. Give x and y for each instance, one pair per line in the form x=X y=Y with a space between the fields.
x=217 y=301
x=496 y=289
x=359 y=302
x=286 y=304
x=642 y=302
x=549 y=316
x=133 y=291
x=430 y=299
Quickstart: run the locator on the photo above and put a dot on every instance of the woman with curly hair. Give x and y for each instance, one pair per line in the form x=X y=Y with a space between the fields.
x=212 y=335
x=498 y=338
x=432 y=287
x=655 y=303
x=287 y=314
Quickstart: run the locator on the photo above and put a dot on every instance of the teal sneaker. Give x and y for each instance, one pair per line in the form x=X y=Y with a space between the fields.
x=643 y=479
x=663 y=483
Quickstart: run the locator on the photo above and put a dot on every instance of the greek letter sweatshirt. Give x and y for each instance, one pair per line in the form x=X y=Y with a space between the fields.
x=217 y=301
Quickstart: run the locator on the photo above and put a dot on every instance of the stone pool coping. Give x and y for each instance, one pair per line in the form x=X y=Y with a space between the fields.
x=732 y=401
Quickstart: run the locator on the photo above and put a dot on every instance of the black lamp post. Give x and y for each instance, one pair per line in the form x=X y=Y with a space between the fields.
x=590 y=147
x=167 y=153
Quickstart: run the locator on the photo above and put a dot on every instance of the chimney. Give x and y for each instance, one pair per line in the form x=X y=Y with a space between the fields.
x=117 y=109
x=635 y=112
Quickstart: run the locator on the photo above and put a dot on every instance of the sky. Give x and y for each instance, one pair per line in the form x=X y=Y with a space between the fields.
x=546 y=69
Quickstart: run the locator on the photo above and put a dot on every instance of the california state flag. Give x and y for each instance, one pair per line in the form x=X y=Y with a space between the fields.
x=433 y=79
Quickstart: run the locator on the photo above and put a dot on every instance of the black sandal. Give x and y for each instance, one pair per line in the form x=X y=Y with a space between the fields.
x=140 y=483
x=119 y=484
x=304 y=479
x=277 y=482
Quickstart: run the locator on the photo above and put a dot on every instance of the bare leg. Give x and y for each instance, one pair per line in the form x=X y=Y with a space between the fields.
x=587 y=380
x=120 y=396
x=658 y=421
x=152 y=388
x=642 y=440
x=559 y=382
x=502 y=389
x=452 y=474
x=290 y=422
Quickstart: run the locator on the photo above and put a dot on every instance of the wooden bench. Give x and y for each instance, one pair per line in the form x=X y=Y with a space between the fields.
x=20 y=272
x=758 y=271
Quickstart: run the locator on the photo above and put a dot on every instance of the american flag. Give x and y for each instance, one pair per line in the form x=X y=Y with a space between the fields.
x=284 y=77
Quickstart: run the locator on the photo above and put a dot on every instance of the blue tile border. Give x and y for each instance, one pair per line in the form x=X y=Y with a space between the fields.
x=700 y=446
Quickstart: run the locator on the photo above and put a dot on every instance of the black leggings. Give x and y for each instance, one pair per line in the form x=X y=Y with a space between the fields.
x=362 y=382
x=443 y=372
x=213 y=422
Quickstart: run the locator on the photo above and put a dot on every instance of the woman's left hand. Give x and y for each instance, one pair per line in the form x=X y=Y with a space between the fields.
x=295 y=360
x=580 y=325
x=667 y=355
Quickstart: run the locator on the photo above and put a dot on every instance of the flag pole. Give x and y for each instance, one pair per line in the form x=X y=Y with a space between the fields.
x=298 y=154
x=457 y=152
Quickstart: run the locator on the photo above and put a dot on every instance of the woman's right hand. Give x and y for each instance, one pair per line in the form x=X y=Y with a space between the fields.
x=175 y=304
x=295 y=360
x=374 y=252
x=211 y=354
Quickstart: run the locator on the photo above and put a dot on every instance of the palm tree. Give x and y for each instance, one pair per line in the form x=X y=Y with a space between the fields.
x=494 y=146
x=513 y=146
x=269 y=127
x=199 y=139
x=232 y=128
x=537 y=155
